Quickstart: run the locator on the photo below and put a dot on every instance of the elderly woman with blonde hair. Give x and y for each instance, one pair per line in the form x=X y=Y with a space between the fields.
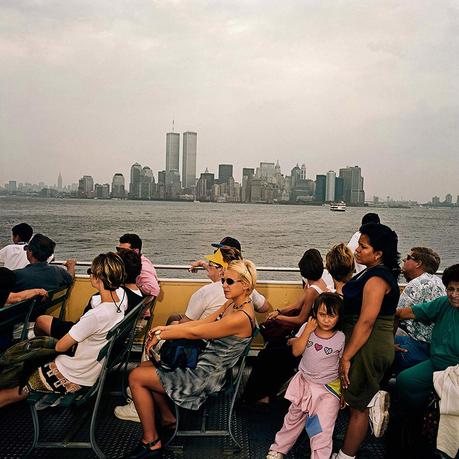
x=229 y=330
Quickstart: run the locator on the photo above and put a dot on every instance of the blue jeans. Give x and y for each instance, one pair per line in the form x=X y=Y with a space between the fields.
x=417 y=352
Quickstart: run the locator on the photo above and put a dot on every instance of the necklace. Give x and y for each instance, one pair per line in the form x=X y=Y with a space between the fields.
x=239 y=306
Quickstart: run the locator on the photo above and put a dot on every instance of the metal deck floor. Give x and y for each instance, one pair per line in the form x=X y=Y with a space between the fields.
x=254 y=429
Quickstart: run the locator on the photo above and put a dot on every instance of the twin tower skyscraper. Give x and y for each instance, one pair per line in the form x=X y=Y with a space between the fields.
x=189 y=150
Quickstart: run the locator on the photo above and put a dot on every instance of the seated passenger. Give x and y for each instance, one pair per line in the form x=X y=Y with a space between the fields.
x=209 y=298
x=414 y=384
x=39 y=273
x=419 y=268
x=340 y=263
x=147 y=280
x=315 y=390
x=229 y=330
x=275 y=364
x=69 y=374
x=133 y=266
x=13 y=255
x=8 y=297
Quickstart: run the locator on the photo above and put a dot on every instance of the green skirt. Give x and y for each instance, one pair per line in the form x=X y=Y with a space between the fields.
x=371 y=362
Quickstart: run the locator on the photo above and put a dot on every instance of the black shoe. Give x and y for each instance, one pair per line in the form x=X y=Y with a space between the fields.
x=143 y=451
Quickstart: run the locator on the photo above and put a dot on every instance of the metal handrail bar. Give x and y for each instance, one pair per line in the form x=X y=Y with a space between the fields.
x=278 y=269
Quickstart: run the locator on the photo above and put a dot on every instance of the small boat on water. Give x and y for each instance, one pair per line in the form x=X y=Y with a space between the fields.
x=338 y=206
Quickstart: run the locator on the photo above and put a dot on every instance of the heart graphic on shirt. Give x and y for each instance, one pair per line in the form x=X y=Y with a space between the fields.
x=328 y=350
x=318 y=347
x=309 y=343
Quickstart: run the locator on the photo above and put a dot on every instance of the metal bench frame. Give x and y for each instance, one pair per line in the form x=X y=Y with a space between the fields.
x=15 y=314
x=120 y=336
x=231 y=387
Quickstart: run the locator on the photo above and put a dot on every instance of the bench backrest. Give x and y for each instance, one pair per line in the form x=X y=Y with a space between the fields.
x=57 y=299
x=18 y=313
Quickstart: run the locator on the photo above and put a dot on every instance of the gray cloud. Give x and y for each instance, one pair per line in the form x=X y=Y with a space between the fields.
x=91 y=87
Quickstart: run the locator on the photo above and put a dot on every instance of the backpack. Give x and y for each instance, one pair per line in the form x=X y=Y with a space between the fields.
x=20 y=360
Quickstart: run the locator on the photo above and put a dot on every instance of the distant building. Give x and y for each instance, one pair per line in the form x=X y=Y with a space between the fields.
x=172 y=155
x=134 y=185
x=266 y=170
x=330 y=186
x=225 y=171
x=12 y=186
x=59 y=183
x=147 y=183
x=339 y=189
x=448 y=199
x=102 y=191
x=86 y=187
x=435 y=201
x=303 y=172
x=353 y=192
x=189 y=159
x=296 y=175
x=204 y=186
x=118 y=189
x=320 y=188
x=457 y=200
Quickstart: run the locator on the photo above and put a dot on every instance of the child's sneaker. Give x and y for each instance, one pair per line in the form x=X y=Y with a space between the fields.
x=379 y=413
x=274 y=455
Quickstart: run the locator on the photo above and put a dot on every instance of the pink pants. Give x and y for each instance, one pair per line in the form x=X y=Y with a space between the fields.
x=313 y=401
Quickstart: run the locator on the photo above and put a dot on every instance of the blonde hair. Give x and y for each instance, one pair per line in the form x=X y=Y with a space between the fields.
x=340 y=262
x=109 y=268
x=246 y=270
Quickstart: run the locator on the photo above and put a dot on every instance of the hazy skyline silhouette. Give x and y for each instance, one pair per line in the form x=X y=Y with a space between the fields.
x=92 y=87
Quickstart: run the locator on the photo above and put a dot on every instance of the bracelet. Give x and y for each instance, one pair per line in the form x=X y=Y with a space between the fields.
x=278 y=312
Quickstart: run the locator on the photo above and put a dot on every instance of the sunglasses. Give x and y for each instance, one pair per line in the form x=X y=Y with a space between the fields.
x=410 y=257
x=229 y=281
x=215 y=265
x=89 y=271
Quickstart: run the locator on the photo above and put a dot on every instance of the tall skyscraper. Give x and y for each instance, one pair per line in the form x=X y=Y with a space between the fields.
x=320 y=188
x=225 y=171
x=134 y=185
x=118 y=189
x=190 y=140
x=353 y=192
x=59 y=182
x=339 y=189
x=172 y=152
x=86 y=186
x=330 y=186
x=303 y=172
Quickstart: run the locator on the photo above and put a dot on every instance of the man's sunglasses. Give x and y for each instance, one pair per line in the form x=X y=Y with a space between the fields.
x=229 y=281
x=410 y=257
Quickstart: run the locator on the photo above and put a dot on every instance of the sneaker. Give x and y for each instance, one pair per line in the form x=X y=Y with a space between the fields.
x=127 y=412
x=274 y=455
x=379 y=413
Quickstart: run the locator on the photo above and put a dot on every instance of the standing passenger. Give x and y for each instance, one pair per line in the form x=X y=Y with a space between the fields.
x=315 y=390
x=370 y=301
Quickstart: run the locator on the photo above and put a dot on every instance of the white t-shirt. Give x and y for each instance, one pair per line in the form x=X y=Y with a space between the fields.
x=120 y=293
x=209 y=298
x=14 y=256
x=91 y=334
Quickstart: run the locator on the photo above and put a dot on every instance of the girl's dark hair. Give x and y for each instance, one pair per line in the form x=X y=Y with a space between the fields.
x=450 y=274
x=333 y=302
x=132 y=264
x=383 y=239
x=311 y=265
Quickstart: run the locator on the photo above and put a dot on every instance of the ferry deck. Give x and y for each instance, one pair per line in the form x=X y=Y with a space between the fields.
x=254 y=428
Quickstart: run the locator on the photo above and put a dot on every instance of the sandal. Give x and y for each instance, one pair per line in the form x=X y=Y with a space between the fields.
x=143 y=451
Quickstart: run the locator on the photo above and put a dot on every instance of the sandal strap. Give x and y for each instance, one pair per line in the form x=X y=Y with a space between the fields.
x=151 y=443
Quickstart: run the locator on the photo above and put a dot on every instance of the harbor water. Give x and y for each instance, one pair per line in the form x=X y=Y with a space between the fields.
x=180 y=232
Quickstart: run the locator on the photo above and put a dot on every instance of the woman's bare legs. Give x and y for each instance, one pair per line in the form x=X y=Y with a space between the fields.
x=142 y=381
x=8 y=396
x=356 y=431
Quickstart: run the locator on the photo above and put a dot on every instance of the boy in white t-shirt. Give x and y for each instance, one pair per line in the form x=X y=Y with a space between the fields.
x=69 y=373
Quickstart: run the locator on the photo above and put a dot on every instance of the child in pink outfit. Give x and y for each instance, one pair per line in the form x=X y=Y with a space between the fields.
x=315 y=390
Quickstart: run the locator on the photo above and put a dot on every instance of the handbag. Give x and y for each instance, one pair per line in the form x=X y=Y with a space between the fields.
x=177 y=353
x=20 y=360
x=275 y=331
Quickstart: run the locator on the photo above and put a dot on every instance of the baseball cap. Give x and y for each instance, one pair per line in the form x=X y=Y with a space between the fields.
x=228 y=242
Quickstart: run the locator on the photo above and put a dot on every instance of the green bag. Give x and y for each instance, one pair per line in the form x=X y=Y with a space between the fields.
x=20 y=360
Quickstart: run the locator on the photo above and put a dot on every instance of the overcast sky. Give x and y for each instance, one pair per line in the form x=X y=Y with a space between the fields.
x=92 y=86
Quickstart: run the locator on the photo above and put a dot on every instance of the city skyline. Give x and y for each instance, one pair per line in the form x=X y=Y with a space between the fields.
x=87 y=86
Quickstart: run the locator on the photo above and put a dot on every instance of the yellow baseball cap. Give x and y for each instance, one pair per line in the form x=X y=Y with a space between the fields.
x=217 y=258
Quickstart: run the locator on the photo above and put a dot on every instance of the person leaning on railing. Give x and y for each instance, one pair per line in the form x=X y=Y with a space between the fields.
x=71 y=373
x=229 y=331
